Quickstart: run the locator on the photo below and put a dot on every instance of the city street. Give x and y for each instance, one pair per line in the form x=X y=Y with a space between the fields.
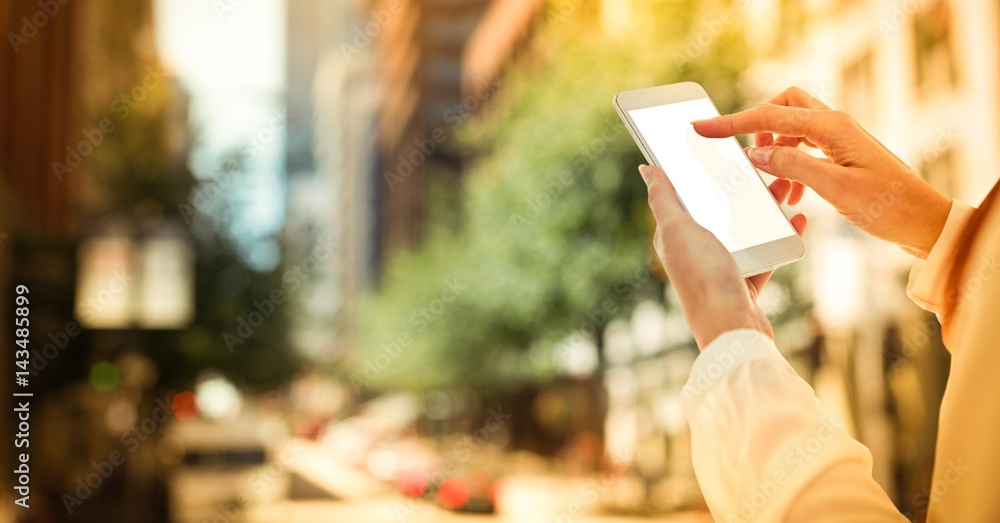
x=340 y=492
x=282 y=261
x=397 y=510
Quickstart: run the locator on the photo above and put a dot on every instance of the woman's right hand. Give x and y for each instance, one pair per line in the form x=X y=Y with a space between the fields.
x=862 y=179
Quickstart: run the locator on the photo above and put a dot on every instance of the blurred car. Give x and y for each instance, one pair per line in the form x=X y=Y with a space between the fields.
x=465 y=491
x=470 y=491
x=378 y=424
x=212 y=465
x=471 y=486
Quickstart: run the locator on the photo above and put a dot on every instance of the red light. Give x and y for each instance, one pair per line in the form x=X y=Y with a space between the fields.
x=493 y=491
x=454 y=493
x=185 y=406
x=411 y=483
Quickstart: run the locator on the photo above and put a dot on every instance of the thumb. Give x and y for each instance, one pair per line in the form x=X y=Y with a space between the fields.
x=663 y=199
x=793 y=164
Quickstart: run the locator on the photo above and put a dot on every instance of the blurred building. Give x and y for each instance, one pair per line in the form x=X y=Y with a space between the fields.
x=420 y=71
x=59 y=84
x=438 y=62
x=649 y=354
x=331 y=101
x=36 y=124
x=375 y=91
x=923 y=78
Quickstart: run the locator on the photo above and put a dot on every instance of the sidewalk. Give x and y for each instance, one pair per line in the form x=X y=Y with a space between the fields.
x=346 y=494
x=398 y=510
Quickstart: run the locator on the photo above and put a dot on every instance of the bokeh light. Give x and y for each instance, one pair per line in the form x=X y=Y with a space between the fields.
x=185 y=406
x=454 y=493
x=104 y=376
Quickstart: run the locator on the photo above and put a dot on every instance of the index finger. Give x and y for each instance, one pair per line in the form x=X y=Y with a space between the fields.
x=798 y=97
x=816 y=125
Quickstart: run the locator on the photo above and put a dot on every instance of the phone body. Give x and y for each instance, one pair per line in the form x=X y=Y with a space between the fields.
x=714 y=179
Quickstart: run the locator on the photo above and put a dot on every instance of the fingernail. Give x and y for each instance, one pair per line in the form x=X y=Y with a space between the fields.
x=644 y=172
x=694 y=122
x=761 y=155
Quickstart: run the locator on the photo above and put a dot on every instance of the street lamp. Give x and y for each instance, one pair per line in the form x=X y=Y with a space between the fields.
x=143 y=281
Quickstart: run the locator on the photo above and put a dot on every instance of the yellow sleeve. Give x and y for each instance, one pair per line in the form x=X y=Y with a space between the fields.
x=926 y=285
x=966 y=480
x=761 y=448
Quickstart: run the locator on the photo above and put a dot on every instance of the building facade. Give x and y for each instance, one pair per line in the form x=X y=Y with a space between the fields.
x=437 y=66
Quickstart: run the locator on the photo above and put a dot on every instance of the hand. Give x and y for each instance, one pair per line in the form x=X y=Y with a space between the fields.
x=713 y=295
x=865 y=182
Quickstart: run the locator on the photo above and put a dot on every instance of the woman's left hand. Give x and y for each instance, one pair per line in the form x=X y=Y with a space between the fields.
x=713 y=295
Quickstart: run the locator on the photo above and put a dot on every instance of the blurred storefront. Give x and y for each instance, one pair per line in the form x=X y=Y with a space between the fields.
x=37 y=231
x=74 y=72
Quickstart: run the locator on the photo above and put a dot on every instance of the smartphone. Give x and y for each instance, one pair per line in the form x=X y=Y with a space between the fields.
x=714 y=179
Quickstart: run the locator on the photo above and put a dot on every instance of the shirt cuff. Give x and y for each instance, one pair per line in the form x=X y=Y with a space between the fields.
x=927 y=284
x=727 y=352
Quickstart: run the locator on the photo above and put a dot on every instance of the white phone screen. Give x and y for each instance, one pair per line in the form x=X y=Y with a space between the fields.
x=713 y=178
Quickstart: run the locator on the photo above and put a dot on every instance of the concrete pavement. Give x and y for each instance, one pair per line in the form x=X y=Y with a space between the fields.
x=391 y=509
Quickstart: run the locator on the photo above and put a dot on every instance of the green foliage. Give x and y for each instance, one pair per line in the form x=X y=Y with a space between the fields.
x=140 y=172
x=227 y=289
x=554 y=224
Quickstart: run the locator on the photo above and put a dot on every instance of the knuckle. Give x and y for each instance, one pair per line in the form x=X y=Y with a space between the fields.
x=730 y=120
x=658 y=242
x=784 y=159
x=795 y=91
x=762 y=115
x=841 y=118
x=654 y=193
x=829 y=124
x=658 y=189
x=847 y=177
x=765 y=107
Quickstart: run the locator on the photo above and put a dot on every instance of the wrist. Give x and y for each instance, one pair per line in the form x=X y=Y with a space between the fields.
x=935 y=216
x=706 y=330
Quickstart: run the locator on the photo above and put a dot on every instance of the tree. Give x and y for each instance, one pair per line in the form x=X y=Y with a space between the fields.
x=140 y=173
x=553 y=234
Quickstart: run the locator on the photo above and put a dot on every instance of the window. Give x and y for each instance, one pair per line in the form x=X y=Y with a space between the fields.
x=935 y=55
x=939 y=170
x=859 y=88
x=793 y=20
